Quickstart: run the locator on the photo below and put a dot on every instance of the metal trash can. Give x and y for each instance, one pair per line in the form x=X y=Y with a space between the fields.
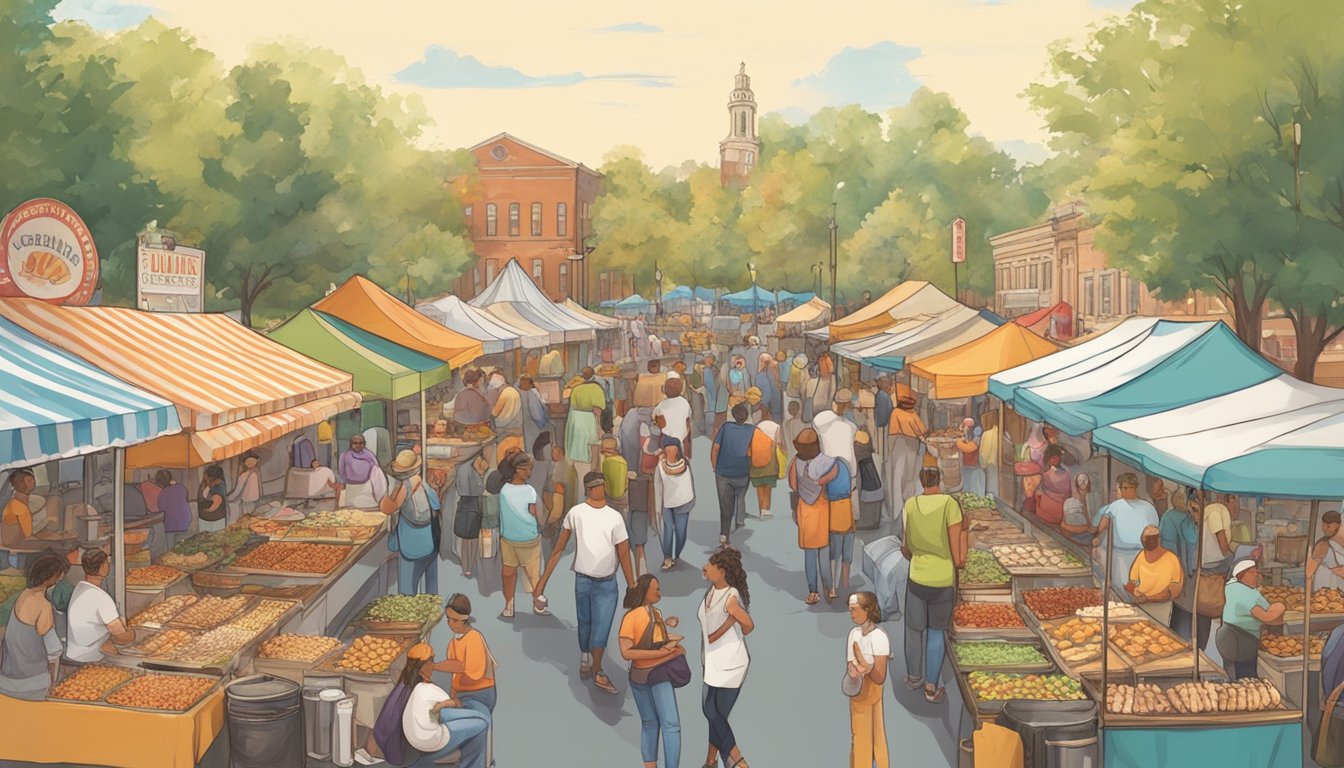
x=1055 y=734
x=265 y=719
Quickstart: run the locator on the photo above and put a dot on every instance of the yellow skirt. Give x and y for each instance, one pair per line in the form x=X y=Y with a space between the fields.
x=813 y=532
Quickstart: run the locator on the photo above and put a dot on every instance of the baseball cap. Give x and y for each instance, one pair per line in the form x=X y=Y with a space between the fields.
x=1242 y=567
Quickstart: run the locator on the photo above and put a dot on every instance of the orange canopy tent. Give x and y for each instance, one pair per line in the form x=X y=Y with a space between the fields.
x=964 y=371
x=909 y=299
x=360 y=302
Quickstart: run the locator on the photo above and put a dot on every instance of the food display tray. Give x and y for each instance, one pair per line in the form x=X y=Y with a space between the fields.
x=164 y=587
x=349 y=547
x=1148 y=659
x=1046 y=664
x=248 y=605
x=1203 y=719
x=217 y=682
x=99 y=702
x=394 y=668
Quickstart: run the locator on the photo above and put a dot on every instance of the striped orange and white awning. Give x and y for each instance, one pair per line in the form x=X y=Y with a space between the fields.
x=211 y=445
x=215 y=370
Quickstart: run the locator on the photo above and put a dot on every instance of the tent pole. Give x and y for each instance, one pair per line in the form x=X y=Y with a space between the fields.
x=119 y=528
x=424 y=436
x=1306 y=608
x=1194 y=604
x=998 y=460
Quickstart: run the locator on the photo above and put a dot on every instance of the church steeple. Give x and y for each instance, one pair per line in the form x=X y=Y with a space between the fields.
x=738 y=153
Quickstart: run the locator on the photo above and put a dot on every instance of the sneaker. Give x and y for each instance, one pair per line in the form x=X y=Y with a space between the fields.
x=363 y=757
x=766 y=514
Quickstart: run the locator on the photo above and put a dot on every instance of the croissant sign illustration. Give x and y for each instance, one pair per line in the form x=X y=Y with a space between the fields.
x=47 y=253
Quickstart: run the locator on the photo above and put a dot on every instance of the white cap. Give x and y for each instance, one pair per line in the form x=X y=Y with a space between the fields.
x=1241 y=567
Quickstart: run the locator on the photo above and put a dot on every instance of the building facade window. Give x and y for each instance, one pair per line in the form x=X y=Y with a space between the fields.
x=514 y=213
x=536 y=219
x=1089 y=297
x=466 y=214
x=1032 y=281
x=475 y=281
x=564 y=286
x=1135 y=296
x=742 y=123
x=491 y=220
x=751 y=157
x=491 y=269
x=561 y=220
x=1107 y=295
x=538 y=273
x=1047 y=276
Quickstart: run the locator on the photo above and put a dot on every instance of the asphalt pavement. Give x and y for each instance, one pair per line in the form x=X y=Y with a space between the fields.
x=791 y=711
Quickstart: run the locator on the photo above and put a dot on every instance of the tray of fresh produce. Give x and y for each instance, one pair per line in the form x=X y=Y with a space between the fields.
x=992 y=654
x=982 y=572
x=398 y=614
x=369 y=656
x=286 y=558
x=91 y=683
x=987 y=620
x=159 y=614
x=971 y=501
x=161 y=645
x=160 y=693
x=303 y=649
x=1178 y=702
x=1037 y=560
x=992 y=689
x=211 y=611
x=1058 y=602
x=1289 y=647
x=217 y=546
x=152 y=578
x=1144 y=641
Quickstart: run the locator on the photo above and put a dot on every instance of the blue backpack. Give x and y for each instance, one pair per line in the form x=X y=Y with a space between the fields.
x=839 y=488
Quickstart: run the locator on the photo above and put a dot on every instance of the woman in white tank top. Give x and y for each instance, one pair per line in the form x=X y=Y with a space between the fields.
x=724 y=625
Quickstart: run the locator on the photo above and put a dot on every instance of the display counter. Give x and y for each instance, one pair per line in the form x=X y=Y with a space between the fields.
x=110 y=736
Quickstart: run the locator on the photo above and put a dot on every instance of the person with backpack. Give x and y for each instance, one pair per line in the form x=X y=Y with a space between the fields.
x=674 y=493
x=469 y=488
x=421 y=724
x=731 y=458
x=415 y=529
x=765 y=460
x=935 y=544
x=809 y=474
x=836 y=434
x=652 y=652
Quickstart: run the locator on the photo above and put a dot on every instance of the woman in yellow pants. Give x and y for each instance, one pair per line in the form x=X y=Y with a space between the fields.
x=868 y=653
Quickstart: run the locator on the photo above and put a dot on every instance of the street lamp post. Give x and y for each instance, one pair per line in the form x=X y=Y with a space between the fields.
x=1297 y=172
x=834 y=265
x=816 y=278
x=755 y=309
x=657 y=290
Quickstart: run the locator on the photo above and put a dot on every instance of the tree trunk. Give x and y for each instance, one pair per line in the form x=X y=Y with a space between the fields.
x=1313 y=334
x=245 y=309
x=1247 y=312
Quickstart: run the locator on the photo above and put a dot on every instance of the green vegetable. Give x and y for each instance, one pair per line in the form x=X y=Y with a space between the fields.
x=972 y=501
x=409 y=608
x=982 y=568
x=996 y=654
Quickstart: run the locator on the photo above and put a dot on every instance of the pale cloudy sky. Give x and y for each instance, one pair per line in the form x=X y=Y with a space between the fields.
x=583 y=76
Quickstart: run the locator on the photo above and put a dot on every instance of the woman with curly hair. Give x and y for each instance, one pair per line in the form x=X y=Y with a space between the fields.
x=866 y=667
x=724 y=625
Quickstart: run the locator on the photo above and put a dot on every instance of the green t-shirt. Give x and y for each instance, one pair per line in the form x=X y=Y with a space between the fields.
x=1240 y=600
x=927 y=519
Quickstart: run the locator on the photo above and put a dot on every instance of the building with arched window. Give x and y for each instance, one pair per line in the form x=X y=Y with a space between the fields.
x=739 y=152
x=556 y=194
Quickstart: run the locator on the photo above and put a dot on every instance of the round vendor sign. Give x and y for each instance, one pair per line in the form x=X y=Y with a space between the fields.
x=47 y=253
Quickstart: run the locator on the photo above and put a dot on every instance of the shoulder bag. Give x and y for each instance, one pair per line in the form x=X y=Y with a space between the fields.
x=675 y=670
x=467 y=521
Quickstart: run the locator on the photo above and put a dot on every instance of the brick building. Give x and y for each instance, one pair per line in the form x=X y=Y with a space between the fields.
x=1057 y=261
x=533 y=206
x=741 y=149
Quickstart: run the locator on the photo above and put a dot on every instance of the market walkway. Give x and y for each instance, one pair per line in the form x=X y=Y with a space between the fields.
x=791 y=712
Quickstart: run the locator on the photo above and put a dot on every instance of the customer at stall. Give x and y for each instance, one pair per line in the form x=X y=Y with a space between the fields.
x=1245 y=612
x=470 y=406
x=1055 y=489
x=16 y=525
x=935 y=544
x=519 y=532
x=246 y=493
x=173 y=503
x=213 y=514
x=1217 y=521
x=972 y=475
x=468 y=659
x=1124 y=521
x=28 y=665
x=92 y=618
x=1180 y=534
x=1327 y=552
x=536 y=419
x=506 y=406
x=1155 y=577
x=903 y=453
x=415 y=507
x=362 y=482
x=991 y=448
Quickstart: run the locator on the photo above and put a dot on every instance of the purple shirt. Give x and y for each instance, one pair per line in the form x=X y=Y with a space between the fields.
x=175 y=508
x=357 y=466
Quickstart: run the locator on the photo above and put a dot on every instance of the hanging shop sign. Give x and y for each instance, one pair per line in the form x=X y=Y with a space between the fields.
x=958 y=240
x=47 y=253
x=169 y=277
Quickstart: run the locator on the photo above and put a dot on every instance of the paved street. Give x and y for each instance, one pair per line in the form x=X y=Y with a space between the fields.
x=791 y=712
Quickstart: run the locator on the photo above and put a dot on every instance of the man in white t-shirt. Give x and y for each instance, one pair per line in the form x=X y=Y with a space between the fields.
x=601 y=544
x=673 y=414
x=93 y=616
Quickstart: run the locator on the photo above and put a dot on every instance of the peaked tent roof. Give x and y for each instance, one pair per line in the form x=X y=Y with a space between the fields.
x=360 y=302
x=918 y=337
x=806 y=312
x=495 y=335
x=513 y=286
x=756 y=296
x=380 y=367
x=601 y=321
x=1142 y=366
x=54 y=405
x=964 y=371
x=909 y=299
x=633 y=301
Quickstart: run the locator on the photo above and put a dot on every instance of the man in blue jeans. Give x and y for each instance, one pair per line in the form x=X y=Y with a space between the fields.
x=601 y=543
x=731 y=458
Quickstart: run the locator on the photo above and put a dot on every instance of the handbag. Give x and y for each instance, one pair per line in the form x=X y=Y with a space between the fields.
x=1328 y=749
x=467 y=522
x=1210 y=596
x=850 y=686
x=675 y=670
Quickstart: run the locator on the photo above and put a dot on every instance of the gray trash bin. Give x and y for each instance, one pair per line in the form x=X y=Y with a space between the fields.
x=1055 y=734
x=265 y=718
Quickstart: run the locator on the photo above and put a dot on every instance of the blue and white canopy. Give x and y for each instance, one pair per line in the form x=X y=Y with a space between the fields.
x=54 y=405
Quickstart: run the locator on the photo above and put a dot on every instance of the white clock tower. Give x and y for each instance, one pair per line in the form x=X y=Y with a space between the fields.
x=740 y=151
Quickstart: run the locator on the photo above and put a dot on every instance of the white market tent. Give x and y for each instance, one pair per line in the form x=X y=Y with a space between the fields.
x=916 y=337
x=521 y=297
x=495 y=335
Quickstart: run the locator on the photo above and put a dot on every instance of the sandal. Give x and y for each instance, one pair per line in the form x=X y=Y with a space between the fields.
x=936 y=697
x=667 y=565
x=913 y=683
x=812 y=599
x=539 y=608
x=507 y=613
x=604 y=683
x=831 y=595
